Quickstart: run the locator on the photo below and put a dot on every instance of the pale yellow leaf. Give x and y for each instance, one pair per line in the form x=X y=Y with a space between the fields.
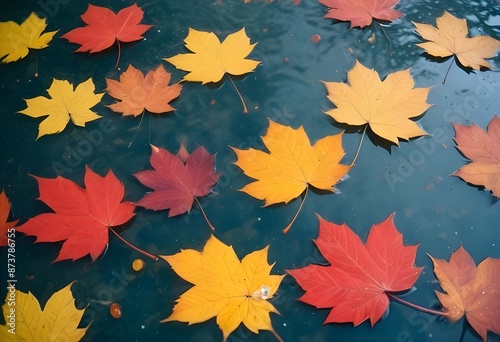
x=450 y=38
x=386 y=106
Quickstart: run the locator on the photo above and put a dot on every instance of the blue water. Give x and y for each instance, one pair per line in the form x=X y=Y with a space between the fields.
x=433 y=209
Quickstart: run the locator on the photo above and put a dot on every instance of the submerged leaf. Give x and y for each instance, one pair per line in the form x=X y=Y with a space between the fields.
x=16 y=40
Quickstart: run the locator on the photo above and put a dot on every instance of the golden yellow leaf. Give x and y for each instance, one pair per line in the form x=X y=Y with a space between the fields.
x=450 y=38
x=210 y=59
x=235 y=292
x=15 y=39
x=386 y=106
x=58 y=321
x=291 y=164
x=63 y=105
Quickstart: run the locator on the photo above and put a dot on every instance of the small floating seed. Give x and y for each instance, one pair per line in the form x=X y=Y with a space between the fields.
x=138 y=264
x=115 y=310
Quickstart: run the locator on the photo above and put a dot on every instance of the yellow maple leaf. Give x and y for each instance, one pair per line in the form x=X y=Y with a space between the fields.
x=386 y=106
x=291 y=164
x=15 y=39
x=450 y=38
x=58 y=321
x=211 y=59
x=63 y=105
x=235 y=292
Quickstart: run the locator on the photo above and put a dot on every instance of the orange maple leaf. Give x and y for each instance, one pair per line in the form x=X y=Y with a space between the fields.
x=483 y=148
x=472 y=291
x=138 y=93
x=450 y=38
x=291 y=165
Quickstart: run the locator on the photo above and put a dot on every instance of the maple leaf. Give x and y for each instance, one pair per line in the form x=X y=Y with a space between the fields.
x=361 y=12
x=138 y=93
x=386 y=106
x=472 y=291
x=178 y=180
x=450 y=38
x=5 y=227
x=483 y=149
x=16 y=40
x=291 y=164
x=82 y=216
x=359 y=278
x=104 y=27
x=63 y=105
x=224 y=287
x=211 y=59
x=58 y=321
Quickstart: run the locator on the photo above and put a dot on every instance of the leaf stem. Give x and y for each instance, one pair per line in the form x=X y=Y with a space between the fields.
x=204 y=215
x=447 y=71
x=154 y=257
x=385 y=34
x=245 y=110
x=138 y=127
x=418 y=307
x=119 y=54
x=359 y=146
x=36 y=62
x=287 y=228
x=276 y=335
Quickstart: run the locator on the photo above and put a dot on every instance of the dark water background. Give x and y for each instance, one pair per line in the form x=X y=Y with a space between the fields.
x=433 y=209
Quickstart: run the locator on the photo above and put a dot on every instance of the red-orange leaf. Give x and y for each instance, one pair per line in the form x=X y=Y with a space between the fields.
x=5 y=226
x=356 y=283
x=138 y=93
x=361 y=12
x=483 y=149
x=472 y=291
x=82 y=216
x=104 y=27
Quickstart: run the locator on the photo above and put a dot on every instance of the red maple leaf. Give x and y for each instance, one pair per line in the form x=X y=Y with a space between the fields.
x=357 y=281
x=82 y=216
x=361 y=12
x=104 y=27
x=4 y=216
x=177 y=179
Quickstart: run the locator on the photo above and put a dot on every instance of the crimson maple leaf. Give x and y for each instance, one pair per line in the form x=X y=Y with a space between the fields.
x=4 y=216
x=357 y=281
x=361 y=12
x=82 y=216
x=104 y=27
x=177 y=180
